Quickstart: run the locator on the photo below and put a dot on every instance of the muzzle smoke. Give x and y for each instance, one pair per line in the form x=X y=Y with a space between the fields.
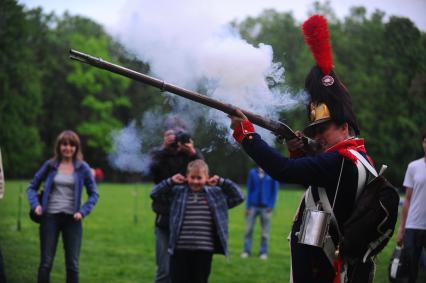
x=188 y=45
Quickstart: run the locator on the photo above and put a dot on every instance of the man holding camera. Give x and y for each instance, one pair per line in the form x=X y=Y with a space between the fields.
x=171 y=158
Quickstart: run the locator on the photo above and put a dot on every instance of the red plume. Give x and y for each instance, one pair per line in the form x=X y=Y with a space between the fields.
x=317 y=37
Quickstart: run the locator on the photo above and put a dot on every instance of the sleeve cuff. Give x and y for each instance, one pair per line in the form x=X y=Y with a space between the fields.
x=242 y=130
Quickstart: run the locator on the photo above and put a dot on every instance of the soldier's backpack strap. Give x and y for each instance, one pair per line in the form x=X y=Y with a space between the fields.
x=309 y=199
x=362 y=179
x=329 y=247
x=364 y=162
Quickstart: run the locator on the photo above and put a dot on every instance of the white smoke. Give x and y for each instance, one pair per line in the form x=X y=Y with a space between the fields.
x=127 y=154
x=132 y=145
x=187 y=44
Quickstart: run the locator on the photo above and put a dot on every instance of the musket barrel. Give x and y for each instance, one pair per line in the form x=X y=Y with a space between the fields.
x=277 y=127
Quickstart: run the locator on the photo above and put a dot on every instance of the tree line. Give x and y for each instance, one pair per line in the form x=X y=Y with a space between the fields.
x=381 y=60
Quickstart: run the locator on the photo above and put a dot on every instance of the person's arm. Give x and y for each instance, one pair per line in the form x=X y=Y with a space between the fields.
x=34 y=186
x=275 y=185
x=408 y=184
x=320 y=170
x=163 y=191
x=405 y=208
x=93 y=196
x=232 y=191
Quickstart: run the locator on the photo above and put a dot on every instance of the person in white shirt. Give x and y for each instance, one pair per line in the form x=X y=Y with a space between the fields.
x=412 y=229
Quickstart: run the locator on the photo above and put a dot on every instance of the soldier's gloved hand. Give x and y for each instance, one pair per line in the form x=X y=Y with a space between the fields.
x=236 y=120
x=296 y=145
x=241 y=126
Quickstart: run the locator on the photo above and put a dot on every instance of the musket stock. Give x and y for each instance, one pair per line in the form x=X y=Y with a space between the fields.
x=277 y=127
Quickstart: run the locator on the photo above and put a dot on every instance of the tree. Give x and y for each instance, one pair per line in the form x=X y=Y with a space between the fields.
x=20 y=94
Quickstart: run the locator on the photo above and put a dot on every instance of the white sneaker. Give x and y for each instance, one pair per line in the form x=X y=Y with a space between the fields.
x=263 y=257
x=244 y=255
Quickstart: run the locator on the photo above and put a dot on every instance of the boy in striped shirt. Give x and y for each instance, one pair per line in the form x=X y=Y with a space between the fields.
x=198 y=220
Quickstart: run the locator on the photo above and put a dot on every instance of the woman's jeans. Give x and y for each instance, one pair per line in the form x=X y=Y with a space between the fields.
x=50 y=227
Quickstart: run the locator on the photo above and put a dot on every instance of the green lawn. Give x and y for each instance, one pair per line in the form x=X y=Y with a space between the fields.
x=118 y=249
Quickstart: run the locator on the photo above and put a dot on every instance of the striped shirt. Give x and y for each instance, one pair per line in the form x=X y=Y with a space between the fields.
x=197 y=227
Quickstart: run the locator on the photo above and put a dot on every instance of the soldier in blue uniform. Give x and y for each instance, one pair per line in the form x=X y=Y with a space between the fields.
x=332 y=173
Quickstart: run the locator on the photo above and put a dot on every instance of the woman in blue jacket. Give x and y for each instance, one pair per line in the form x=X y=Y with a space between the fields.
x=60 y=210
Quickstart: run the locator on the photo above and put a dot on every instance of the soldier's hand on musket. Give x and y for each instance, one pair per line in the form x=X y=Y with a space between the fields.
x=296 y=143
x=236 y=120
x=178 y=179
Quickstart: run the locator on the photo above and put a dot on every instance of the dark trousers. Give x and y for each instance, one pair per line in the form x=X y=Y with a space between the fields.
x=309 y=264
x=50 y=227
x=162 y=255
x=2 y=275
x=414 y=243
x=188 y=266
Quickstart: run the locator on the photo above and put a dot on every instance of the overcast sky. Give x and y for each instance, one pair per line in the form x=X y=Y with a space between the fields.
x=107 y=12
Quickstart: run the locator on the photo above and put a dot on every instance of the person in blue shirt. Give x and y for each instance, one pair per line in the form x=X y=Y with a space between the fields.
x=60 y=209
x=261 y=196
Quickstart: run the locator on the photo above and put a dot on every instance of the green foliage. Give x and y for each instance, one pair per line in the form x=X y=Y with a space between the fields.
x=20 y=93
x=45 y=93
x=100 y=123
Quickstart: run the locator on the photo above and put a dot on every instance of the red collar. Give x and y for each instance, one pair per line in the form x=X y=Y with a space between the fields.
x=343 y=148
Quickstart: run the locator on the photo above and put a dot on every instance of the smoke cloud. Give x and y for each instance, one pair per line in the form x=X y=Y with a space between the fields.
x=127 y=152
x=188 y=45
x=185 y=43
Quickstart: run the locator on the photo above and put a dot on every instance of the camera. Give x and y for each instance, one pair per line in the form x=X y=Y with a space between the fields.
x=182 y=137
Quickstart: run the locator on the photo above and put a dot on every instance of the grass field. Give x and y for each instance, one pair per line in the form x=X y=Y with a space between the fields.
x=118 y=241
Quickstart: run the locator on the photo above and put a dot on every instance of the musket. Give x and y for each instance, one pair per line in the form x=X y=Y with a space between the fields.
x=279 y=128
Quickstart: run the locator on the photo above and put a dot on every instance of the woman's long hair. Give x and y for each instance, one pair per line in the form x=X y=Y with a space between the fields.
x=71 y=137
